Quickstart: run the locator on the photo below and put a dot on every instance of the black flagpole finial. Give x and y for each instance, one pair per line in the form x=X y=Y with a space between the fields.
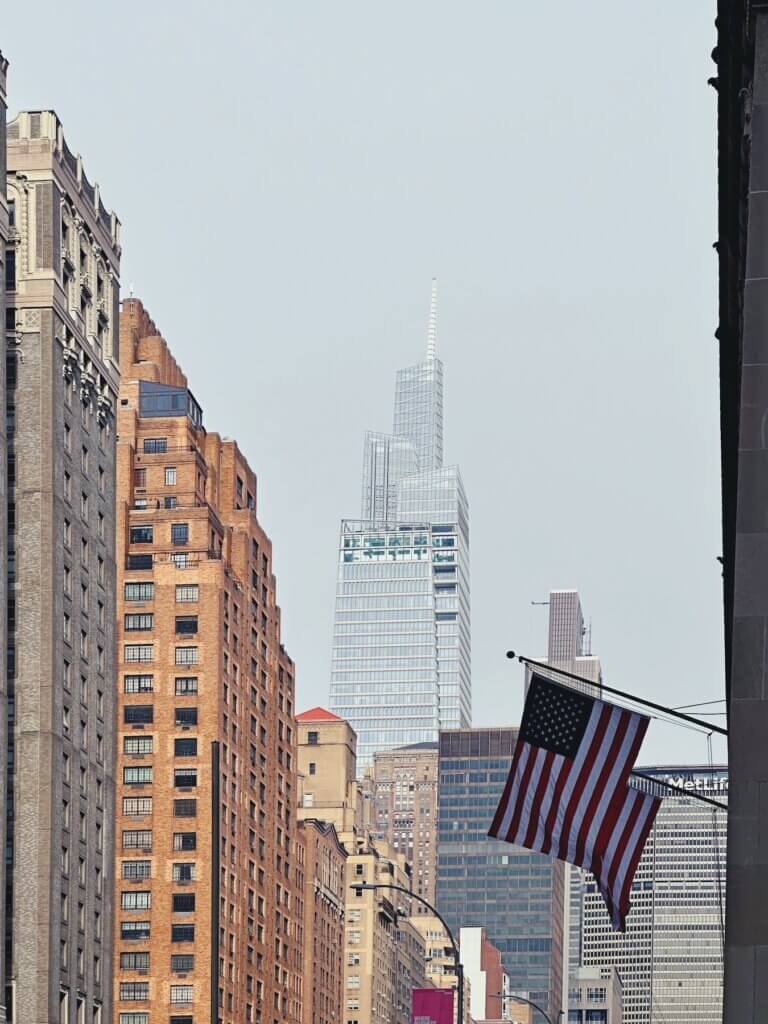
x=511 y=654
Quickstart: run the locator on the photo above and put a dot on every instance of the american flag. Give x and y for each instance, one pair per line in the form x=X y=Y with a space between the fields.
x=568 y=795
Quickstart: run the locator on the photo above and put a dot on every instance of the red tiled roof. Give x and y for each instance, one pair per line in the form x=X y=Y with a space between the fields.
x=318 y=715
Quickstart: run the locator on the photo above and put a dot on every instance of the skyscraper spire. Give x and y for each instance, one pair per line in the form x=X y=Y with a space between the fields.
x=432 y=329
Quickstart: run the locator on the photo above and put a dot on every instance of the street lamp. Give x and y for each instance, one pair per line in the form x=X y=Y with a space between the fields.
x=456 y=955
x=521 y=999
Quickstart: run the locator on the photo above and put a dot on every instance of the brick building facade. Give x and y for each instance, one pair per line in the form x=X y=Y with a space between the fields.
x=208 y=895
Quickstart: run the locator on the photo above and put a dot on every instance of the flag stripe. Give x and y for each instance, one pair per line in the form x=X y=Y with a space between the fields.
x=587 y=767
x=519 y=770
x=573 y=775
x=504 y=802
x=610 y=769
x=535 y=810
x=647 y=814
x=525 y=778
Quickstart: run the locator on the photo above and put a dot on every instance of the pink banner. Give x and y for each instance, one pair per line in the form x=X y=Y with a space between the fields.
x=432 y=1006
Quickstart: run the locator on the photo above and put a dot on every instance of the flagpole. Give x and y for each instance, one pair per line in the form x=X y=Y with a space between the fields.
x=620 y=693
x=677 y=789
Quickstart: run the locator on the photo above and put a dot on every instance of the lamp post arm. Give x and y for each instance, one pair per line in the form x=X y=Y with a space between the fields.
x=441 y=919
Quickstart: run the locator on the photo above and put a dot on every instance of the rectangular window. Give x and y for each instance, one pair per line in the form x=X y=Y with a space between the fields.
x=135 y=900
x=140 y=776
x=312 y=738
x=181 y=963
x=184 y=808
x=185 y=778
x=184 y=872
x=170 y=476
x=139 y=622
x=138 y=714
x=185 y=747
x=133 y=1018
x=179 y=533
x=187 y=593
x=137 y=839
x=186 y=685
x=137 y=652
x=139 y=591
x=134 y=870
x=185 y=656
x=155 y=445
x=186 y=624
x=184 y=841
x=186 y=716
x=182 y=933
x=183 y=902
x=137 y=744
x=137 y=806
x=137 y=562
x=185 y=1019
x=134 y=961
x=181 y=994
x=134 y=929
x=138 y=684
x=134 y=990
x=141 y=534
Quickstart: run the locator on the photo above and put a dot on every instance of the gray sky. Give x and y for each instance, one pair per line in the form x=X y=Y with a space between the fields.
x=291 y=175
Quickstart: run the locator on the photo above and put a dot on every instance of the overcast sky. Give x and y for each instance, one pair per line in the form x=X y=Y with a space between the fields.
x=291 y=175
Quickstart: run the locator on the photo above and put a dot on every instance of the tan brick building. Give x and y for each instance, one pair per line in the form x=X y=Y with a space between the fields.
x=402 y=785
x=383 y=954
x=208 y=887
x=323 y=860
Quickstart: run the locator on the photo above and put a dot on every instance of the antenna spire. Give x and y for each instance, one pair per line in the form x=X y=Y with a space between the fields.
x=432 y=329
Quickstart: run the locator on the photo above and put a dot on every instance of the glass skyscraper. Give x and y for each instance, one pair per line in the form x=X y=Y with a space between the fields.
x=401 y=647
x=518 y=896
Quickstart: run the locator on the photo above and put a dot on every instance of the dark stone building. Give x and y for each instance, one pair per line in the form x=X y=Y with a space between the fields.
x=742 y=86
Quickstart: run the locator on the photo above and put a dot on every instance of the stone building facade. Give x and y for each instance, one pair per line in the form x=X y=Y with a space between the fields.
x=383 y=954
x=324 y=865
x=61 y=384
x=209 y=901
x=403 y=787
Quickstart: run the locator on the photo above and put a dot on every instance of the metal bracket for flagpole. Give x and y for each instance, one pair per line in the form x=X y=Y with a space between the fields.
x=620 y=693
x=681 y=792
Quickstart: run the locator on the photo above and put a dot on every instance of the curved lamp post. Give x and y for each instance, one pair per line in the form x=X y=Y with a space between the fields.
x=521 y=999
x=456 y=955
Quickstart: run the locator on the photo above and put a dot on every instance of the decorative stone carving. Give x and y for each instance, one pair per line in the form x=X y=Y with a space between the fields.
x=103 y=410
x=87 y=386
x=71 y=366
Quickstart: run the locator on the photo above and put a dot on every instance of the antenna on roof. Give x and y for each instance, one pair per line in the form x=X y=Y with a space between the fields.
x=432 y=329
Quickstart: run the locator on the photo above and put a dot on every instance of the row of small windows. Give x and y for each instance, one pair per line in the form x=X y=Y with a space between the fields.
x=186 y=593
x=141 y=807
x=185 y=624
x=140 y=930
x=143 y=745
x=143 y=714
x=181 y=902
x=146 y=652
x=145 y=534
x=141 y=839
x=138 y=991
x=136 y=870
x=185 y=778
x=183 y=685
x=143 y=1018
x=180 y=962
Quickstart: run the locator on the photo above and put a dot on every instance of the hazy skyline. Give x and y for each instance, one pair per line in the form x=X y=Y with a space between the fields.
x=291 y=176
